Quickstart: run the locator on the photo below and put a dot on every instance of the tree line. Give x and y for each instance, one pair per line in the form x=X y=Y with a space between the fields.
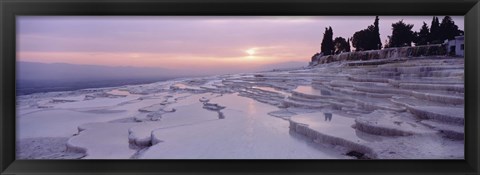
x=402 y=35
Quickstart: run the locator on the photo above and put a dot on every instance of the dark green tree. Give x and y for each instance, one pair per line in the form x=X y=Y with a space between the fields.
x=422 y=37
x=362 y=40
x=377 y=43
x=367 y=39
x=348 y=45
x=448 y=29
x=327 y=46
x=402 y=34
x=434 y=36
x=341 y=45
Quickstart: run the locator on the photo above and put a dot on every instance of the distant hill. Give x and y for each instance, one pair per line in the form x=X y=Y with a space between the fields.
x=43 y=77
x=63 y=71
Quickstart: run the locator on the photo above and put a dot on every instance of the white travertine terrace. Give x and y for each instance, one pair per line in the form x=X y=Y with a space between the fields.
x=411 y=108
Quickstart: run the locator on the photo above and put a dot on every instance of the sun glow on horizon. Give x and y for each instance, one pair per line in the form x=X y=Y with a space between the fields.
x=251 y=51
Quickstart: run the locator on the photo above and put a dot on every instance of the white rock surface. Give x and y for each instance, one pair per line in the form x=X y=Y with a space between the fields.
x=405 y=109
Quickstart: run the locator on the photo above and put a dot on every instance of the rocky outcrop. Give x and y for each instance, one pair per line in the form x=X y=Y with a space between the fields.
x=388 y=53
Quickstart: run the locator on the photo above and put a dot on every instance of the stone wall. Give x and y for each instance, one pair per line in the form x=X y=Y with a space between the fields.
x=397 y=52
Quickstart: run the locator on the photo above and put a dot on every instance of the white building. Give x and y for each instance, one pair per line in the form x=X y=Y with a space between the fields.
x=456 y=46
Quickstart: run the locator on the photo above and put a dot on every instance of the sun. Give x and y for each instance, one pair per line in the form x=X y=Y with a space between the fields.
x=251 y=51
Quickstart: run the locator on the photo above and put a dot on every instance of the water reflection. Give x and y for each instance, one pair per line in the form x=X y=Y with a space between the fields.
x=328 y=116
x=270 y=89
x=307 y=90
x=313 y=91
x=119 y=92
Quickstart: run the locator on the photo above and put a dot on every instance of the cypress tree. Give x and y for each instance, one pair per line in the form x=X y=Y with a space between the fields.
x=434 y=31
x=377 y=43
x=348 y=45
x=331 y=45
x=327 y=46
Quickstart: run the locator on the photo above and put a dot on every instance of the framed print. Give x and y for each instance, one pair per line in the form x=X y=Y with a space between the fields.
x=239 y=87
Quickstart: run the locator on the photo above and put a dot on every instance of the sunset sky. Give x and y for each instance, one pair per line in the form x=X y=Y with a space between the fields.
x=187 y=42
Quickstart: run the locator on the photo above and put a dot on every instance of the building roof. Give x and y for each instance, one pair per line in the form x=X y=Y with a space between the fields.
x=460 y=37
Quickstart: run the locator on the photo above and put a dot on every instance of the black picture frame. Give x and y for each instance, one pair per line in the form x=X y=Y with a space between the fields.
x=11 y=8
